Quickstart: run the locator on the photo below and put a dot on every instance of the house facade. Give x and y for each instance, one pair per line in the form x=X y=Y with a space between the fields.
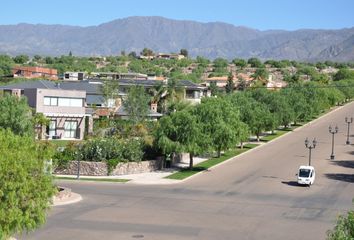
x=65 y=109
x=35 y=72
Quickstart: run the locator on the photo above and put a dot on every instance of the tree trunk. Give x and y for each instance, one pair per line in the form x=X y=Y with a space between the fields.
x=241 y=145
x=190 y=160
x=219 y=152
x=257 y=137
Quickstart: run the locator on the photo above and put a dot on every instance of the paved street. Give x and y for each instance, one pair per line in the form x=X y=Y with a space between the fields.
x=251 y=197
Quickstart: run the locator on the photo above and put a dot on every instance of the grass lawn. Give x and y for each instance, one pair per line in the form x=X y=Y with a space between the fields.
x=184 y=173
x=93 y=179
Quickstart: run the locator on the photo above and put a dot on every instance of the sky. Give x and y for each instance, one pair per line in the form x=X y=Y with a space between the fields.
x=258 y=14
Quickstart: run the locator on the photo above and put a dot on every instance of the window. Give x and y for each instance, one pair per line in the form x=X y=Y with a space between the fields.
x=70 y=128
x=70 y=102
x=63 y=102
x=50 y=101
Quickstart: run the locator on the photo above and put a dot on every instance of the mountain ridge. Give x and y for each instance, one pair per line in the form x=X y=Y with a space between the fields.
x=211 y=40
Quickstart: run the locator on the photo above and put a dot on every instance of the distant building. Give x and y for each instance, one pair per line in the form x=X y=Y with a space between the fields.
x=74 y=76
x=116 y=75
x=35 y=72
x=169 y=56
x=219 y=81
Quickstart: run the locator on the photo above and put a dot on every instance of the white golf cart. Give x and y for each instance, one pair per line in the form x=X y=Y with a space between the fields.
x=306 y=175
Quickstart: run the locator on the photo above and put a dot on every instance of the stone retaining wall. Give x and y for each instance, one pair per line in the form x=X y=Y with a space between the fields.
x=136 y=167
x=100 y=168
x=86 y=168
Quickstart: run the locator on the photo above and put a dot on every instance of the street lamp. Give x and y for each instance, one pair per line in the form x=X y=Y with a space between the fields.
x=348 y=121
x=333 y=131
x=310 y=146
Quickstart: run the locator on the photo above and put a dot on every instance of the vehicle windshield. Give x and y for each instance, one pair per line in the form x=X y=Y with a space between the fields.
x=304 y=173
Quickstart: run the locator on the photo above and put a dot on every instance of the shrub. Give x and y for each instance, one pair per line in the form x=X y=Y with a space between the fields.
x=133 y=150
x=63 y=156
x=25 y=188
x=101 y=149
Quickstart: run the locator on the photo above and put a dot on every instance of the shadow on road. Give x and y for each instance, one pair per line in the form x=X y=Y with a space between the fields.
x=291 y=183
x=344 y=163
x=341 y=177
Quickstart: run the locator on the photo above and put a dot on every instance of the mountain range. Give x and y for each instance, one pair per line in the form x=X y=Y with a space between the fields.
x=211 y=40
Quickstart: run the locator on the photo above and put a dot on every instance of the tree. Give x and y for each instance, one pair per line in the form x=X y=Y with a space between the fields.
x=214 y=89
x=261 y=74
x=343 y=73
x=132 y=54
x=184 y=52
x=110 y=90
x=147 y=52
x=40 y=121
x=25 y=189
x=240 y=62
x=15 y=115
x=255 y=62
x=344 y=229
x=220 y=123
x=21 y=59
x=230 y=85
x=136 y=104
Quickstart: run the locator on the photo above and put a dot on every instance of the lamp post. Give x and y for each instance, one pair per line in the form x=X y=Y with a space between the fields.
x=310 y=146
x=348 y=121
x=333 y=131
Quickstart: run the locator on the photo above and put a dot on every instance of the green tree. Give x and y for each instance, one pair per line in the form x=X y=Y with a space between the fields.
x=136 y=104
x=255 y=62
x=214 y=89
x=343 y=73
x=261 y=74
x=220 y=123
x=242 y=63
x=230 y=85
x=15 y=115
x=21 y=59
x=344 y=229
x=184 y=52
x=147 y=52
x=109 y=89
x=25 y=189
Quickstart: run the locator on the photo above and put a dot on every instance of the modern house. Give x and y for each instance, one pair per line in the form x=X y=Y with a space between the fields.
x=64 y=108
x=35 y=72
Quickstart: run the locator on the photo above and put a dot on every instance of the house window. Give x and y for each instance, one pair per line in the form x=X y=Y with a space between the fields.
x=70 y=128
x=50 y=101
x=52 y=131
x=70 y=102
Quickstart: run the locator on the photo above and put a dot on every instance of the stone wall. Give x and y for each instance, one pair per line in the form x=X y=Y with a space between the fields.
x=136 y=167
x=86 y=168
x=100 y=168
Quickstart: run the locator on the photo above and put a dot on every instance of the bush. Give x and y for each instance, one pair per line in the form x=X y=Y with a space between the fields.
x=133 y=150
x=344 y=229
x=62 y=157
x=25 y=188
x=101 y=149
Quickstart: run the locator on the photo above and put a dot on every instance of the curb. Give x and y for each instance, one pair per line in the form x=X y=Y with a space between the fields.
x=74 y=198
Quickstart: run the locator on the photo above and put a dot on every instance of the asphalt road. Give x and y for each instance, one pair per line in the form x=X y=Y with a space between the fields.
x=254 y=196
